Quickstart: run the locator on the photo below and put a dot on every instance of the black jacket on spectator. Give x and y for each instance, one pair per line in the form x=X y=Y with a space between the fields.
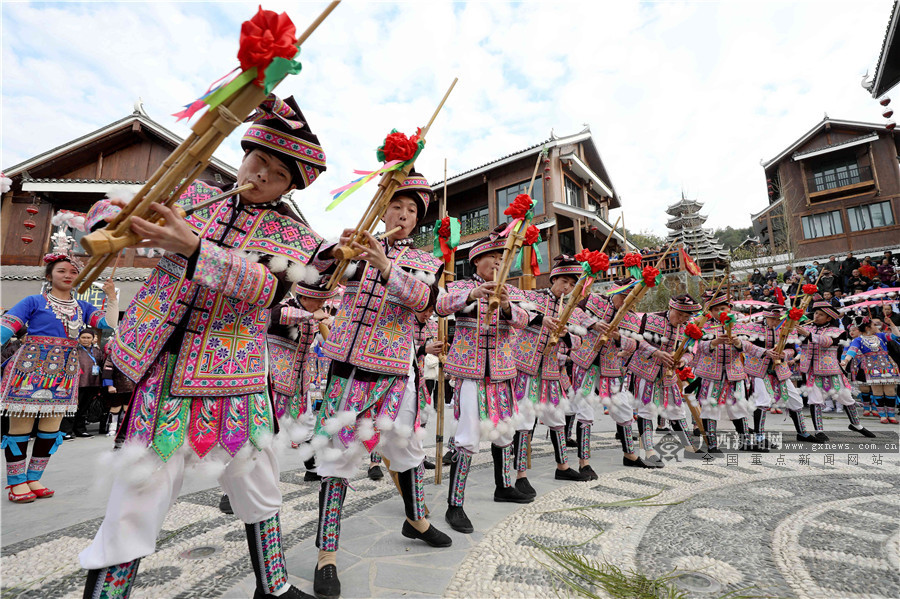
x=827 y=283
x=859 y=282
x=848 y=266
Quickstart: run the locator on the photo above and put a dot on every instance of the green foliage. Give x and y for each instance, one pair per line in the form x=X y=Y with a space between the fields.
x=730 y=237
x=645 y=238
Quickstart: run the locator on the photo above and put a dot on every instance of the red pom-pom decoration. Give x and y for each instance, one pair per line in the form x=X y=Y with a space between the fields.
x=649 y=274
x=795 y=314
x=693 y=331
x=399 y=147
x=519 y=207
x=685 y=374
x=532 y=235
x=809 y=289
x=632 y=260
x=444 y=230
x=597 y=261
x=265 y=36
x=724 y=316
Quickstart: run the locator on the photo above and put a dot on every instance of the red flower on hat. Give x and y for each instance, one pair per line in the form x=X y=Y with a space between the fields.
x=519 y=207
x=265 y=36
x=399 y=147
x=795 y=314
x=693 y=331
x=685 y=374
x=444 y=230
x=532 y=235
x=632 y=260
x=809 y=289
x=649 y=274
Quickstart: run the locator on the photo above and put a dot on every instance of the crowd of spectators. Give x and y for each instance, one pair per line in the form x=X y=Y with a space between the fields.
x=839 y=278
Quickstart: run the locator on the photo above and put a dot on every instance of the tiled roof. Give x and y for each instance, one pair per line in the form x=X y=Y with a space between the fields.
x=837 y=144
x=28 y=179
x=892 y=26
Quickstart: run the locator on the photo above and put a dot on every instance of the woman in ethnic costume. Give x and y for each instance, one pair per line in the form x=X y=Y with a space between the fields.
x=819 y=363
x=194 y=341
x=41 y=379
x=881 y=372
x=718 y=365
x=599 y=375
x=541 y=384
x=652 y=371
x=371 y=397
x=481 y=360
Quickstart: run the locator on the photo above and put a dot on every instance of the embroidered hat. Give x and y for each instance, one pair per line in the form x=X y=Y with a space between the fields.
x=566 y=265
x=826 y=307
x=684 y=303
x=416 y=186
x=279 y=128
x=317 y=290
x=494 y=242
x=773 y=311
x=711 y=302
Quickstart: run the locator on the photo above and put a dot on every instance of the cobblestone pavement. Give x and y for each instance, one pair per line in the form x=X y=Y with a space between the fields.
x=791 y=529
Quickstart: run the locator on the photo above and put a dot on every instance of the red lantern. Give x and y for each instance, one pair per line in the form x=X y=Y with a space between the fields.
x=884 y=101
x=29 y=224
x=32 y=209
x=27 y=238
x=888 y=113
x=547 y=160
x=890 y=125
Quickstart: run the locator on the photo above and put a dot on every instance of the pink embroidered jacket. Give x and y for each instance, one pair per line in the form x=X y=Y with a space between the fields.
x=598 y=308
x=218 y=300
x=290 y=338
x=656 y=333
x=423 y=336
x=481 y=347
x=756 y=363
x=375 y=325
x=720 y=361
x=531 y=341
x=818 y=356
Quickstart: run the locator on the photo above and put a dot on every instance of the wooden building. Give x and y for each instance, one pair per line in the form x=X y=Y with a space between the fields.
x=73 y=177
x=573 y=196
x=834 y=190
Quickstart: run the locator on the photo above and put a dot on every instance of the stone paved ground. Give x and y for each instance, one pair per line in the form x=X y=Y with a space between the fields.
x=789 y=526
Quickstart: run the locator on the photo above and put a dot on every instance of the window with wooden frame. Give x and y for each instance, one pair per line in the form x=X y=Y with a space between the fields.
x=825 y=224
x=870 y=216
x=573 y=193
x=506 y=195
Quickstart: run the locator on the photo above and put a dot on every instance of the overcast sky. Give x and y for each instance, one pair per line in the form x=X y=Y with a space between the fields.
x=679 y=96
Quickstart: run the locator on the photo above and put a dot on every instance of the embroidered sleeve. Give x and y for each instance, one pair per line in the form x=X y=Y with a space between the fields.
x=235 y=276
x=16 y=318
x=452 y=302
x=319 y=261
x=92 y=316
x=854 y=348
x=292 y=316
x=753 y=349
x=627 y=344
x=519 y=318
x=409 y=291
x=821 y=340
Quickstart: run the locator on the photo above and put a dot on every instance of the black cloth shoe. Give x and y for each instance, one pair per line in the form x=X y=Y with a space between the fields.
x=568 y=474
x=375 y=473
x=862 y=431
x=807 y=438
x=696 y=432
x=655 y=461
x=448 y=458
x=292 y=593
x=588 y=473
x=432 y=536
x=715 y=452
x=225 y=505
x=428 y=465
x=83 y=434
x=635 y=463
x=696 y=455
x=822 y=437
x=524 y=487
x=510 y=495
x=571 y=442
x=457 y=519
x=326 y=584
x=68 y=437
x=311 y=476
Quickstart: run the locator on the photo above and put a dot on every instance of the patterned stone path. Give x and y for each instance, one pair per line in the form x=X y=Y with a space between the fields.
x=792 y=530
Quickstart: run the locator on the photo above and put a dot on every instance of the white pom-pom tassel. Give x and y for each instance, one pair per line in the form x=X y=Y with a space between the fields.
x=366 y=429
x=278 y=264
x=384 y=423
x=305 y=451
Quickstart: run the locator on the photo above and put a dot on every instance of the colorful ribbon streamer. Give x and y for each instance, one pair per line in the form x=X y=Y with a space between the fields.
x=445 y=246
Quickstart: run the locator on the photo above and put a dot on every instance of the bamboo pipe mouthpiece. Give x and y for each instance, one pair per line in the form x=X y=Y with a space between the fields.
x=344 y=252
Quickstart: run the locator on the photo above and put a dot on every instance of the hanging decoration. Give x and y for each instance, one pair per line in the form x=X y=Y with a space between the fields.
x=446 y=238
